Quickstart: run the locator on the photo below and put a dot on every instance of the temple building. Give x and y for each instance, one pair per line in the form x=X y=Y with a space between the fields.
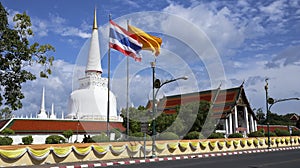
x=230 y=106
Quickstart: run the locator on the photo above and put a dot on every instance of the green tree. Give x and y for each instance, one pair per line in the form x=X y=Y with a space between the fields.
x=67 y=134
x=260 y=115
x=17 y=52
x=203 y=109
x=136 y=116
x=7 y=131
x=188 y=117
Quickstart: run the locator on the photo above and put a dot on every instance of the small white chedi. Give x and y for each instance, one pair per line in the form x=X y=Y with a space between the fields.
x=90 y=100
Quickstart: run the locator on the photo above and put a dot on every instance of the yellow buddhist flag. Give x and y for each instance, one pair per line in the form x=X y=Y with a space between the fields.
x=149 y=42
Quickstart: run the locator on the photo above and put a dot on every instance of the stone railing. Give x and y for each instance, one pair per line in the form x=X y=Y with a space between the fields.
x=21 y=155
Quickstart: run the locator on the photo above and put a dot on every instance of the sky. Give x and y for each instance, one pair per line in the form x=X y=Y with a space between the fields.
x=211 y=42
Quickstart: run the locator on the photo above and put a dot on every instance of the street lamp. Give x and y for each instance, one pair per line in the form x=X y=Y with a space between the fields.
x=267 y=107
x=272 y=101
x=157 y=84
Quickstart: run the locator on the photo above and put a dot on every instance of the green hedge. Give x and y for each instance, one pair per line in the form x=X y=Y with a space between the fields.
x=6 y=141
x=216 y=136
x=256 y=134
x=296 y=133
x=27 y=140
x=139 y=136
x=280 y=132
x=168 y=136
x=55 y=139
x=193 y=135
x=235 y=135
x=272 y=134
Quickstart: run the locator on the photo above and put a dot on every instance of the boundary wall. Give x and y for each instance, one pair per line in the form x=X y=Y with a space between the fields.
x=26 y=155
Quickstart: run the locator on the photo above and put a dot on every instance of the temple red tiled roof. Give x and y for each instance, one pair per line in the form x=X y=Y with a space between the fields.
x=40 y=126
x=225 y=100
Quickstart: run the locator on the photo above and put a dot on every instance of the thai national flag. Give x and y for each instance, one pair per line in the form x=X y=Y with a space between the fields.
x=124 y=41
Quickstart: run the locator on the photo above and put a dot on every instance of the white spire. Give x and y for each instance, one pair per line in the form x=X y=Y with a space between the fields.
x=43 y=100
x=42 y=113
x=94 y=64
x=52 y=116
x=62 y=115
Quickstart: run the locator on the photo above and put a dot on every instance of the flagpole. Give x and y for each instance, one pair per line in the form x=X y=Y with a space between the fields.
x=127 y=92
x=108 y=88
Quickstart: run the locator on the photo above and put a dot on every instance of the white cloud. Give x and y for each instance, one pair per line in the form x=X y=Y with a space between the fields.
x=54 y=24
x=132 y=3
x=282 y=84
x=288 y=56
x=57 y=89
x=275 y=10
x=223 y=31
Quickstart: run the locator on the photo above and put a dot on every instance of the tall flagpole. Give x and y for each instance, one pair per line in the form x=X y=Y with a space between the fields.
x=108 y=88
x=127 y=92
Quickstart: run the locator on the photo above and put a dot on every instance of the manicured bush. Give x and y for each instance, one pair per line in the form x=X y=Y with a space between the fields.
x=139 y=136
x=67 y=134
x=280 y=132
x=54 y=139
x=193 y=135
x=27 y=140
x=7 y=131
x=216 y=136
x=296 y=133
x=98 y=138
x=256 y=134
x=261 y=130
x=272 y=134
x=168 y=136
x=235 y=135
x=6 y=141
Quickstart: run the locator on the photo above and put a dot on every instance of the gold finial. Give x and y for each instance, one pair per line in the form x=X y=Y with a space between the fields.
x=95 y=20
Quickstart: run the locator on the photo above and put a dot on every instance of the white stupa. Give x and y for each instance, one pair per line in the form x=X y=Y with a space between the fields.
x=42 y=114
x=90 y=100
x=52 y=115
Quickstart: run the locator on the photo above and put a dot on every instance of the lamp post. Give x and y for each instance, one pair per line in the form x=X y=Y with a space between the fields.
x=272 y=101
x=157 y=84
x=267 y=107
x=153 y=109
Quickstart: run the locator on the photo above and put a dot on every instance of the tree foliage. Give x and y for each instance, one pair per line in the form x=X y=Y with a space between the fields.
x=7 y=131
x=67 y=134
x=188 y=117
x=136 y=116
x=260 y=115
x=274 y=118
x=16 y=53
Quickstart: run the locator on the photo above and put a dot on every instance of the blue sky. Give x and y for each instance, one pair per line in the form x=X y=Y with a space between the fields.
x=212 y=42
